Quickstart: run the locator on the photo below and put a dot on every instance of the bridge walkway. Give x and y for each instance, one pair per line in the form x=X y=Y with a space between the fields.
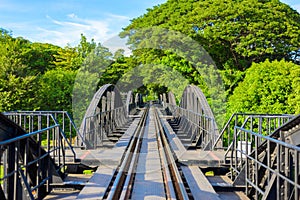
x=148 y=178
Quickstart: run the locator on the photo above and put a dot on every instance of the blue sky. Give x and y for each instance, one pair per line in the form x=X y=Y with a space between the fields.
x=61 y=22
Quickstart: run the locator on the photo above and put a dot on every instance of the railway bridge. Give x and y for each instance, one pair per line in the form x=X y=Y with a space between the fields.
x=125 y=148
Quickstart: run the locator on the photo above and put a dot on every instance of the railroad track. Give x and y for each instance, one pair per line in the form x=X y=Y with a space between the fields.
x=149 y=141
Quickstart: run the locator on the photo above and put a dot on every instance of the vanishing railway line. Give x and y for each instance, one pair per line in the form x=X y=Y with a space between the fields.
x=122 y=181
x=126 y=183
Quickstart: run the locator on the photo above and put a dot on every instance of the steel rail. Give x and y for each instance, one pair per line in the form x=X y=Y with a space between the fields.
x=117 y=188
x=178 y=184
x=8 y=141
x=122 y=184
x=65 y=116
x=128 y=185
x=169 y=189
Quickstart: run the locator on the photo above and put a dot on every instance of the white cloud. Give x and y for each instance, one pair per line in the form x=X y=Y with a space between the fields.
x=53 y=36
x=68 y=31
x=115 y=43
x=72 y=16
x=64 y=32
x=118 y=17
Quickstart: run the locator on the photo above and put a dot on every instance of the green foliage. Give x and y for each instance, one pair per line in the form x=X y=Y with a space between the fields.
x=234 y=33
x=36 y=76
x=268 y=87
x=167 y=58
x=97 y=60
x=115 y=70
x=294 y=97
x=55 y=90
x=88 y=77
x=67 y=58
x=39 y=57
x=239 y=32
x=17 y=86
x=1 y=173
x=85 y=86
x=18 y=93
x=157 y=78
x=72 y=58
x=11 y=56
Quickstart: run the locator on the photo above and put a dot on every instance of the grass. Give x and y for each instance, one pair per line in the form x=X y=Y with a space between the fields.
x=87 y=171
x=44 y=142
x=1 y=173
x=210 y=173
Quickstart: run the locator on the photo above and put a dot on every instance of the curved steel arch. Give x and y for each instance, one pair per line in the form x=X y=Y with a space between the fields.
x=106 y=98
x=171 y=98
x=193 y=99
x=130 y=102
x=105 y=113
x=129 y=98
x=194 y=117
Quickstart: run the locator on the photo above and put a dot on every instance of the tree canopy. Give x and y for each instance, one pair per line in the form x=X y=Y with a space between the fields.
x=37 y=76
x=233 y=32
x=246 y=51
x=268 y=87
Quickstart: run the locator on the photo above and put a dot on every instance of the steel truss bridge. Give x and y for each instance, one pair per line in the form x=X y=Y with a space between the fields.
x=127 y=149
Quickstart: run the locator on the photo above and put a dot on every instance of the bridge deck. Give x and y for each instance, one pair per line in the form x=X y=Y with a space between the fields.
x=198 y=183
x=192 y=157
x=148 y=179
x=203 y=158
x=108 y=160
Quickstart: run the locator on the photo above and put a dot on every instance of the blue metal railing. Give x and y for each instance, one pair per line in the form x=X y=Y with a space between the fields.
x=26 y=164
x=34 y=120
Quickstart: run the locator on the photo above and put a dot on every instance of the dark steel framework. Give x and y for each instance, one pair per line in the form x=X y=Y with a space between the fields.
x=267 y=162
x=194 y=118
x=105 y=114
x=262 y=150
x=35 y=120
x=29 y=165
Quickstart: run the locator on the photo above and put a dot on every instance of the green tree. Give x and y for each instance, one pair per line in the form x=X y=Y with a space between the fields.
x=294 y=97
x=17 y=87
x=39 y=57
x=55 y=90
x=268 y=87
x=88 y=77
x=234 y=33
x=72 y=58
x=116 y=69
x=67 y=58
x=18 y=93
x=97 y=60
x=231 y=31
x=11 y=56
